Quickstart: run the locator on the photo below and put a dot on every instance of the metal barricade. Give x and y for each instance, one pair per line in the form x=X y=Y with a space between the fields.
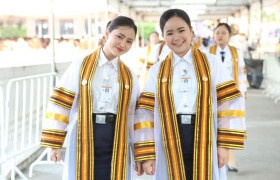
x=25 y=103
x=2 y=139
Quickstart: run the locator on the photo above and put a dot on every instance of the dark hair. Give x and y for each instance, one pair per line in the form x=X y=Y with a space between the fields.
x=121 y=21
x=224 y=24
x=108 y=24
x=174 y=12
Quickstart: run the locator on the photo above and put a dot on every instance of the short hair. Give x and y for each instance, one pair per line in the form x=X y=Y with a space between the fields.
x=121 y=21
x=174 y=12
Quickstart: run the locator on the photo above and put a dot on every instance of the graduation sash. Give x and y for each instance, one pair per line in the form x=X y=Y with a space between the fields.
x=203 y=139
x=234 y=55
x=85 y=144
x=149 y=64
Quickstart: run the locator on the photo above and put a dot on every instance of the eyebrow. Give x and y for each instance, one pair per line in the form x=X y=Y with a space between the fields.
x=124 y=36
x=177 y=29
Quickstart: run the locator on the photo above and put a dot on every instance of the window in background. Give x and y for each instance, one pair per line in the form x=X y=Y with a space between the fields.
x=41 y=28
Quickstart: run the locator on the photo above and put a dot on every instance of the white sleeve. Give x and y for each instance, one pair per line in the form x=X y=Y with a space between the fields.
x=59 y=106
x=144 y=145
x=231 y=116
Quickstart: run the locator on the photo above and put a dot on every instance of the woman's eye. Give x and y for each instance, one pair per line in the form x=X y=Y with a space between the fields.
x=182 y=30
x=129 y=42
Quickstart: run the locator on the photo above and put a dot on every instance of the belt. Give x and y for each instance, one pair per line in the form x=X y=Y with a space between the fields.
x=104 y=118
x=186 y=118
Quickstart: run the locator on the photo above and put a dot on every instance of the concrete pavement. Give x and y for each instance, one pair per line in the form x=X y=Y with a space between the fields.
x=260 y=160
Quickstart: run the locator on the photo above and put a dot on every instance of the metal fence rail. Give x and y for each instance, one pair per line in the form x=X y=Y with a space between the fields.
x=21 y=122
x=2 y=139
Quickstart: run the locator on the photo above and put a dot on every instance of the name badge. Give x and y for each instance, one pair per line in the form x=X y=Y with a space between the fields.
x=106 y=91
x=185 y=83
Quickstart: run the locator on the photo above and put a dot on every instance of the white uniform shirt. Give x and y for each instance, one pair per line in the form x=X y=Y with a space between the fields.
x=185 y=101
x=105 y=70
x=228 y=58
x=228 y=64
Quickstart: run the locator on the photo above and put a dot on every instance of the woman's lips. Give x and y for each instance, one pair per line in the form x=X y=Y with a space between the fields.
x=119 y=49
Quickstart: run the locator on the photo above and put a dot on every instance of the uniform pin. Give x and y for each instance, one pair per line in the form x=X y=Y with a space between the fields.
x=84 y=82
x=164 y=80
x=126 y=86
x=204 y=78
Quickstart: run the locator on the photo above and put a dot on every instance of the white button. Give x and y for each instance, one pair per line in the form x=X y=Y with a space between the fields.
x=185 y=105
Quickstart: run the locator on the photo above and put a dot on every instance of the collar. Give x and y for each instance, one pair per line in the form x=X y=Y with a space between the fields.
x=103 y=60
x=219 y=49
x=187 y=57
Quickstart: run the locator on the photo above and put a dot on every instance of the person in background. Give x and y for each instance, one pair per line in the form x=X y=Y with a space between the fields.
x=155 y=52
x=94 y=104
x=185 y=118
x=232 y=59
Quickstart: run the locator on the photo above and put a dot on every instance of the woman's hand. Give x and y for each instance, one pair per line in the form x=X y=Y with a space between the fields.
x=138 y=168
x=149 y=166
x=55 y=154
x=223 y=156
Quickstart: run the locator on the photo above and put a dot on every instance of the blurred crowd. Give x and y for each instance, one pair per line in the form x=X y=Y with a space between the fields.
x=14 y=44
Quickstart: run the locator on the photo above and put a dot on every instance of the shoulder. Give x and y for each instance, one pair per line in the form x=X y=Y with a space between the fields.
x=129 y=69
x=204 y=49
x=235 y=48
x=78 y=62
x=212 y=60
x=210 y=57
x=239 y=51
x=155 y=67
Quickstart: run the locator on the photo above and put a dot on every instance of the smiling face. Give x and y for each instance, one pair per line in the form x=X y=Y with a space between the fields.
x=221 y=36
x=118 y=41
x=177 y=35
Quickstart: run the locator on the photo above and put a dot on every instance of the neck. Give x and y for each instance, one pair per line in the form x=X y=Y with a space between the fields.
x=184 y=53
x=107 y=54
x=222 y=46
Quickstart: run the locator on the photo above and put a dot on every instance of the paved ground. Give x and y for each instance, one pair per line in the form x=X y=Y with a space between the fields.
x=259 y=161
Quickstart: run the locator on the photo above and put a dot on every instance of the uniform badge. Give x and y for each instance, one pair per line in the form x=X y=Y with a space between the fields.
x=164 y=80
x=126 y=86
x=84 y=82
x=204 y=78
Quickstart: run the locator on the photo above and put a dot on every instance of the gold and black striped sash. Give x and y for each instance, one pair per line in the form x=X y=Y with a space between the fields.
x=234 y=54
x=203 y=123
x=85 y=144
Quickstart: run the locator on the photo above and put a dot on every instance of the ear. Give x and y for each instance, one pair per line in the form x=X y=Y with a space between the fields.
x=106 y=33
